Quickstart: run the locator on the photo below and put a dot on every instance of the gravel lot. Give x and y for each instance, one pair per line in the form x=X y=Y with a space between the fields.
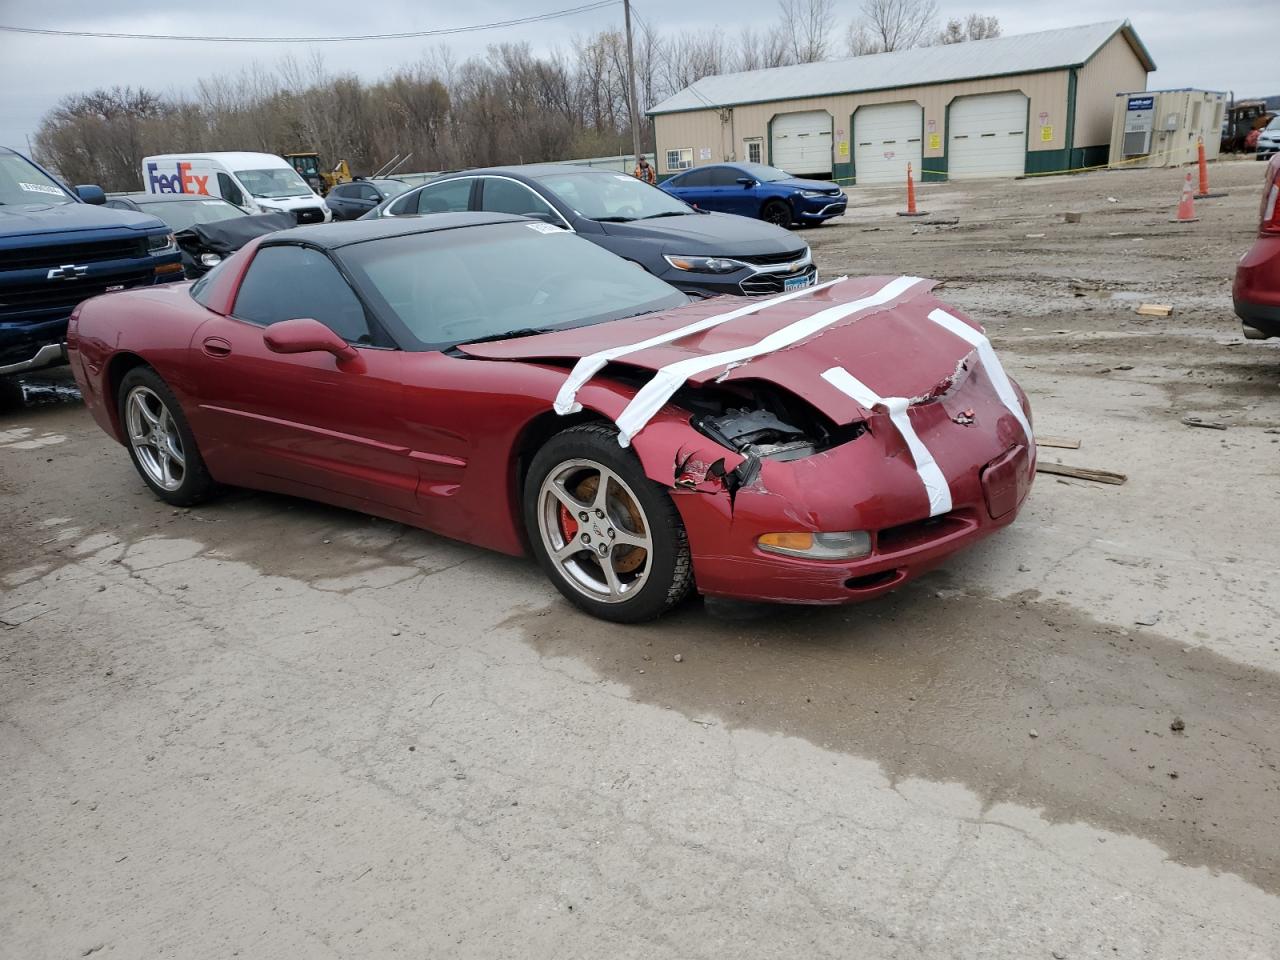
x=266 y=728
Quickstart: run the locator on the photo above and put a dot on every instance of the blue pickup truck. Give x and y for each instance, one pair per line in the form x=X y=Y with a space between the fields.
x=59 y=247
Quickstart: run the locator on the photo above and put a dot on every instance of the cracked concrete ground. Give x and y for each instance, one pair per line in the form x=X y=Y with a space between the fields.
x=267 y=728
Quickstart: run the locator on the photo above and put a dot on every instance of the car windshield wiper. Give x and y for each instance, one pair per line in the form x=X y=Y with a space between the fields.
x=508 y=335
x=667 y=213
x=613 y=219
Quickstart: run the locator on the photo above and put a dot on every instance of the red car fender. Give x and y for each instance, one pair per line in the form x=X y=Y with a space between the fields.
x=163 y=320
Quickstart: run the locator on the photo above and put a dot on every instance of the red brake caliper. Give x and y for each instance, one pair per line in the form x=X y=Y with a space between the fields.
x=568 y=524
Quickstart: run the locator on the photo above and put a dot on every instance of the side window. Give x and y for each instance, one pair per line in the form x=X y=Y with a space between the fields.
x=341 y=191
x=367 y=192
x=452 y=196
x=723 y=176
x=285 y=282
x=230 y=192
x=697 y=178
x=507 y=196
x=405 y=205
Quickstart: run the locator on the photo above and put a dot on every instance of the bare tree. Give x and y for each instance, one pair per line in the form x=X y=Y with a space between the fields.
x=887 y=25
x=509 y=105
x=770 y=47
x=973 y=27
x=692 y=56
x=806 y=24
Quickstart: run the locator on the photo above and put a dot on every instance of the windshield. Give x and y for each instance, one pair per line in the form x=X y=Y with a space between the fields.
x=274 y=183
x=1275 y=123
x=441 y=286
x=598 y=195
x=391 y=188
x=23 y=183
x=184 y=214
x=765 y=173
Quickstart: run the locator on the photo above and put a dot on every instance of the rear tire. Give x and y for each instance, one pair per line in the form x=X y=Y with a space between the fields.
x=160 y=442
x=607 y=536
x=777 y=212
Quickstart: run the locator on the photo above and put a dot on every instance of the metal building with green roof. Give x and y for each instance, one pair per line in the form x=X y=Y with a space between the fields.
x=1004 y=107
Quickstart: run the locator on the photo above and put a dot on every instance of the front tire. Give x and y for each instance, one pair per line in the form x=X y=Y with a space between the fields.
x=161 y=444
x=777 y=212
x=608 y=537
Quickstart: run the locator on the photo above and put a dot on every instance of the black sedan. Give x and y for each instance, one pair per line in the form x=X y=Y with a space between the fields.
x=350 y=201
x=696 y=251
x=206 y=228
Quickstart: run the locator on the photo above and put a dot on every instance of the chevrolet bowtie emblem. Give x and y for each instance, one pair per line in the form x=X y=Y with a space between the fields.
x=68 y=271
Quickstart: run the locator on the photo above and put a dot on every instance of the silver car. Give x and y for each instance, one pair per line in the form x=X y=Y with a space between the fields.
x=1269 y=139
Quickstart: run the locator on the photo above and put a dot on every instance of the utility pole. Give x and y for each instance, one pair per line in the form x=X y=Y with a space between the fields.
x=631 y=83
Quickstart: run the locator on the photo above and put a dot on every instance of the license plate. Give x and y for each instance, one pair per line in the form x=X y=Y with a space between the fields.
x=796 y=283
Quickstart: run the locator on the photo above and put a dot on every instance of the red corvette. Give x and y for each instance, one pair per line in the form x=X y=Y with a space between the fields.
x=503 y=382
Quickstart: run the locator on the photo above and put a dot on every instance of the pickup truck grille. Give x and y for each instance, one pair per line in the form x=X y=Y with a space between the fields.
x=55 y=255
x=65 y=293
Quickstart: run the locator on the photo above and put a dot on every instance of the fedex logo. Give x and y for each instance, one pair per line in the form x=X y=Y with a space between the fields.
x=184 y=181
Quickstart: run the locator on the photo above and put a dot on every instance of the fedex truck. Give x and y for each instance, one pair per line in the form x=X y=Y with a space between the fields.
x=258 y=182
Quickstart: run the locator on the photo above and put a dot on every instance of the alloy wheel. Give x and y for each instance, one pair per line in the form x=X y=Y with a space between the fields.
x=154 y=437
x=595 y=531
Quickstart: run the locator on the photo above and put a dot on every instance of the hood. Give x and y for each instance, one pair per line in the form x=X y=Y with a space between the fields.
x=45 y=218
x=709 y=233
x=227 y=236
x=290 y=203
x=879 y=331
x=799 y=183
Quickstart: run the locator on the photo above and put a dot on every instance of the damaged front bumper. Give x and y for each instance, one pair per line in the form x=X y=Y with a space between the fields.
x=868 y=483
x=728 y=561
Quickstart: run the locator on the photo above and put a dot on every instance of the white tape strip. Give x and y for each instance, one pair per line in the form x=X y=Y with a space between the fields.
x=654 y=394
x=935 y=484
x=589 y=366
x=990 y=362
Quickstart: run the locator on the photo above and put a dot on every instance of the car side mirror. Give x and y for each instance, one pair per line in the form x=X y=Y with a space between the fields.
x=304 y=335
x=91 y=193
x=747 y=181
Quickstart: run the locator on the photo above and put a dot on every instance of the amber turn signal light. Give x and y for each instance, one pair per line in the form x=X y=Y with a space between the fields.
x=844 y=545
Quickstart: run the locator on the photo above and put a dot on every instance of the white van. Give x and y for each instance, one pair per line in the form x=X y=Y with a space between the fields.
x=258 y=182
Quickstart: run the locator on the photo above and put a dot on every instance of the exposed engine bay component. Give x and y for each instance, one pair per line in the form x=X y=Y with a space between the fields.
x=759 y=421
x=758 y=433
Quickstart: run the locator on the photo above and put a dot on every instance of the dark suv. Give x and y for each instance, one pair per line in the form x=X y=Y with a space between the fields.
x=58 y=248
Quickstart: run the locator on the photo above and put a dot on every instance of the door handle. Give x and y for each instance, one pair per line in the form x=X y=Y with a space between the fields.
x=217 y=347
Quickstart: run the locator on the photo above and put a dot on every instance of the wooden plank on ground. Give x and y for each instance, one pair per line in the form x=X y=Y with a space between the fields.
x=1067 y=443
x=1080 y=473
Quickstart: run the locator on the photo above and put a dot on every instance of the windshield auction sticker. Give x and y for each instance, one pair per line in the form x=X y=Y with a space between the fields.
x=39 y=188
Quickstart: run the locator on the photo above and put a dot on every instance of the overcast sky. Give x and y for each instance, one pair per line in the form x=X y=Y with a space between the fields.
x=1195 y=43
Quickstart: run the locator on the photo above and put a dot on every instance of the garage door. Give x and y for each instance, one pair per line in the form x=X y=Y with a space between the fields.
x=801 y=143
x=886 y=138
x=987 y=136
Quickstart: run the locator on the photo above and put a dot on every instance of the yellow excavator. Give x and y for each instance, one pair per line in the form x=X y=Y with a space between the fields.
x=308 y=167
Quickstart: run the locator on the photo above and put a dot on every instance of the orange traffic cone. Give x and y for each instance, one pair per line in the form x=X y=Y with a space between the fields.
x=1186 y=206
x=911 y=210
x=1204 y=193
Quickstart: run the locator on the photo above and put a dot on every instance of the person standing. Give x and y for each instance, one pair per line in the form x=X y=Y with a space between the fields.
x=645 y=172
